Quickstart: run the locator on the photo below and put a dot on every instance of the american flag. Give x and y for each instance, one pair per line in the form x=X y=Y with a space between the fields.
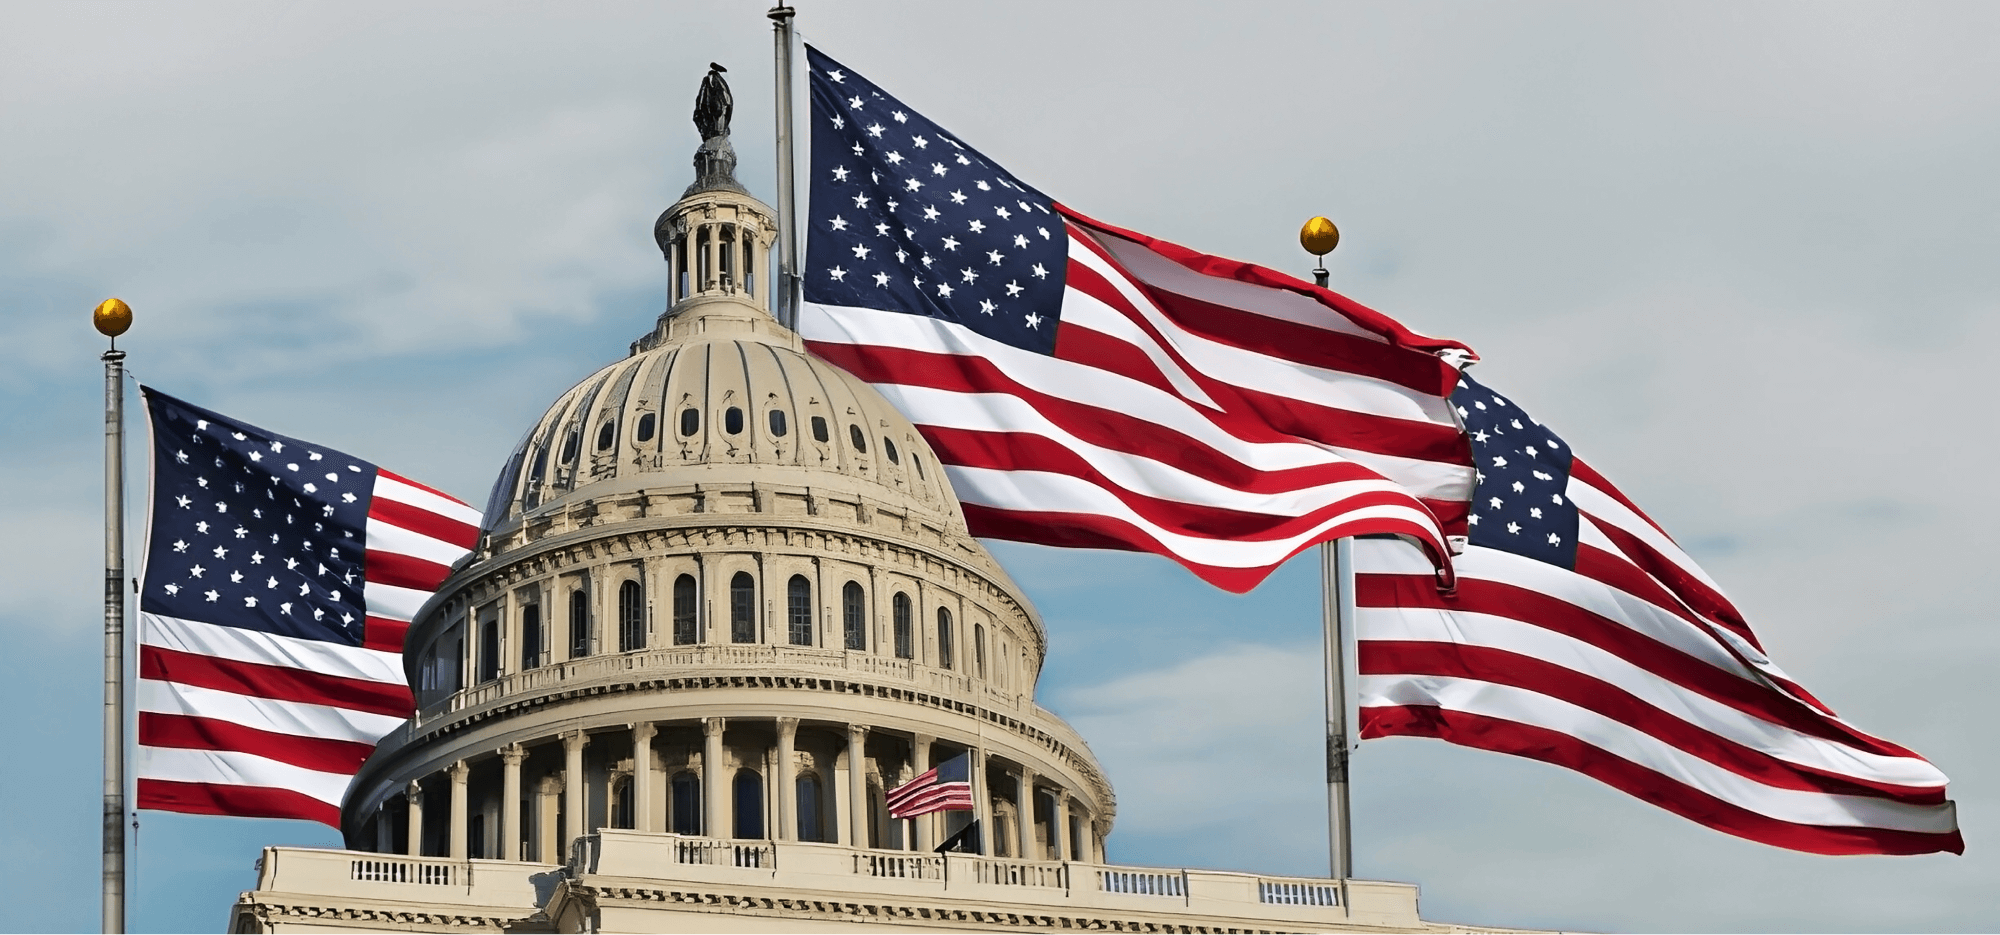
x=1582 y=636
x=1089 y=386
x=944 y=787
x=280 y=578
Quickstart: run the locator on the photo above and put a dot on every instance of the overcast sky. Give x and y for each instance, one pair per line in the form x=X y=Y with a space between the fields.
x=1742 y=255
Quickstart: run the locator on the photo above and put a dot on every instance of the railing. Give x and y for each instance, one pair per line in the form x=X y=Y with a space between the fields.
x=376 y=870
x=899 y=866
x=725 y=854
x=1282 y=893
x=1021 y=873
x=1142 y=883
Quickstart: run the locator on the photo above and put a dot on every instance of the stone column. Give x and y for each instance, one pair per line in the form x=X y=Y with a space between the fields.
x=642 y=775
x=573 y=786
x=385 y=837
x=510 y=800
x=548 y=808
x=458 y=772
x=784 y=779
x=1024 y=815
x=1059 y=824
x=714 y=785
x=414 y=795
x=982 y=802
x=857 y=783
x=920 y=761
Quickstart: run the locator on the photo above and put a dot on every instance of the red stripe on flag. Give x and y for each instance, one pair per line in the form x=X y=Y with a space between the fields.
x=1501 y=667
x=1549 y=746
x=201 y=798
x=423 y=522
x=200 y=733
x=404 y=571
x=279 y=683
x=1097 y=531
x=384 y=635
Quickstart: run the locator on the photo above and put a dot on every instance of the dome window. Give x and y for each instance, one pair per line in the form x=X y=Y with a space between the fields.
x=646 y=427
x=690 y=421
x=742 y=608
x=631 y=617
x=541 y=464
x=569 y=446
x=685 y=605
x=853 y=619
x=944 y=639
x=778 y=426
x=918 y=463
x=732 y=421
x=605 y=435
x=819 y=429
x=900 y=607
x=890 y=447
x=859 y=440
x=798 y=610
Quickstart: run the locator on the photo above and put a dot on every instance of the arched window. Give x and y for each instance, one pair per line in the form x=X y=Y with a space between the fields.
x=631 y=617
x=900 y=611
x=704 y=267
x=979 y=648
x=742 y=608
x=489 y=646
x=732 y=420
x=646 y=423
x=799 y=610
x=685 y=602
x=889 y=447
x=811 y=828
x=569 y=447
x=684 y=803
x=690 y=421
x=606 y=433
x=858 y=440
x=778 y=425
x=819 y=428
x=579 y=624
x=531 y=635
x=621 y=802
x=854 y=615
x=749 y=263
x=918 y=462
x=944 y=638
x=749 y=795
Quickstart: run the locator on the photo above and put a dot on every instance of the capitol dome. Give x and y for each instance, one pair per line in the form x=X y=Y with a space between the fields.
x=723 y=592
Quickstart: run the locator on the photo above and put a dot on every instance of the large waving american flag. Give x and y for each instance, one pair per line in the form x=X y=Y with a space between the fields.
x=280 y=578
x=1582 y=636
x=1089 y=386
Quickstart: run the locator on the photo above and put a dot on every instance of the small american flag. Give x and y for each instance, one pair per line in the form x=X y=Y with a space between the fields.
x=280 y=578
x=944 y=787
x=1091 y=386
x=1582 y=636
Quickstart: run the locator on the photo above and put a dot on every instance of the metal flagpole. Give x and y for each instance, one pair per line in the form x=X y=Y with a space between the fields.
x=788 y=240
x=1319 y=237
x=112 y=318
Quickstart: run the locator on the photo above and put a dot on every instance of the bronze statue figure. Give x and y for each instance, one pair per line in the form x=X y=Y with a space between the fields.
x=713 y=105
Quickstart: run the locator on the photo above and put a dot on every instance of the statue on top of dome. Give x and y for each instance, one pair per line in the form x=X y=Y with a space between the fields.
x=713 y=105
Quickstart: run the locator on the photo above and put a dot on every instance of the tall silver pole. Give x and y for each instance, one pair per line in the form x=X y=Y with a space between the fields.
x=114 y=640
x=788 y=240
x=1336 y=621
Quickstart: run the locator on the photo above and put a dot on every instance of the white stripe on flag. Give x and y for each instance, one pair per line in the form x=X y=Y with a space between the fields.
x=222 y=768
x=322 y=722
x=240 y=645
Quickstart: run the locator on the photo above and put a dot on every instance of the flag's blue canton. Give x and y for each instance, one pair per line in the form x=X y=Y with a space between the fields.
x=1520 y=504
x=252 y=529
x=906 y=218
x=956 y=769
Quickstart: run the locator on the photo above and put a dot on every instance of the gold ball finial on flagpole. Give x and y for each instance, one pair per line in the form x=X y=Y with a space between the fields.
x=1319 y=237
x=112 y=317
